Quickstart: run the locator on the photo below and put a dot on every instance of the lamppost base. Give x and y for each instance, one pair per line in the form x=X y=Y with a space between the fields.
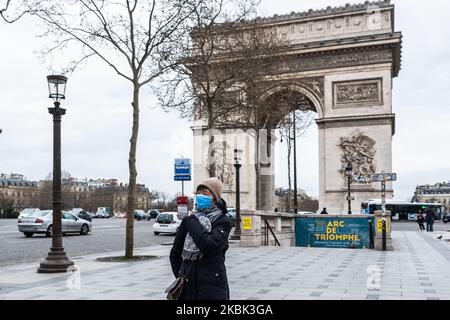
x=56 y=262
x=235 y=236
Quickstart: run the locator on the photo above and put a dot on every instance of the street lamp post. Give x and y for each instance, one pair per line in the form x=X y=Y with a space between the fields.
x=349 y=173
x=237 y=164
x=57 y=260
x=295 y=164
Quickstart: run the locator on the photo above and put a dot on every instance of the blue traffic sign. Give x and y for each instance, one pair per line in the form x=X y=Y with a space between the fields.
x=182 y=170
x=182 y=178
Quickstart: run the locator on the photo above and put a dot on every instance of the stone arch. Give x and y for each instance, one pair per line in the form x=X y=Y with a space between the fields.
x=346 y=73
x=299 y=88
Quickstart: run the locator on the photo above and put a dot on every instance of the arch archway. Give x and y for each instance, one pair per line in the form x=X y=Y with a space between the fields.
x=301 y=90
x=343 y=66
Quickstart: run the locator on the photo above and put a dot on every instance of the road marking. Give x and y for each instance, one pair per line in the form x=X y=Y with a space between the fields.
x=106 y=227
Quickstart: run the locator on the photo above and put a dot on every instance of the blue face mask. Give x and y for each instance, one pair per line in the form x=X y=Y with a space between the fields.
x=203 y=202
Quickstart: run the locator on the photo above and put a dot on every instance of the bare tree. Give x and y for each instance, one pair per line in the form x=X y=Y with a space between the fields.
x=132 y=37
x=164 y=196
x=12 y=11
x=69 y=194
x=202 y=84
x=303 y=121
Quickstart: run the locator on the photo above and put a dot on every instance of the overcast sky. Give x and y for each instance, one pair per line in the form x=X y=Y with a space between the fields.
x=97 y=126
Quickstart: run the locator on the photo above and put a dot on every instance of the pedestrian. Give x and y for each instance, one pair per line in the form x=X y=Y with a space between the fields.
x=199 y=248
x=324 y=211
x=429 y=218
x=276 y=209
x=420 y=220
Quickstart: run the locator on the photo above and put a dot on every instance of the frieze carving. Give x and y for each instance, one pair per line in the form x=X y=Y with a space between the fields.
x=223 y=169
x=337 y=60
x=326 y=12
x=365 y=92
x=360 y=152
x=316 y=84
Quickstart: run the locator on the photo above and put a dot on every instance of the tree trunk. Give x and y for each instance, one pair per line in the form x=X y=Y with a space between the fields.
x=129 y=242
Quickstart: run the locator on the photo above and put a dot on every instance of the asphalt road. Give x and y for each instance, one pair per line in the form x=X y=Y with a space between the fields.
x=107 y=235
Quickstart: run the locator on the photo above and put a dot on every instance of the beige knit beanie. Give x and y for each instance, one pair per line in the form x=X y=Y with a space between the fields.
x=214 y=185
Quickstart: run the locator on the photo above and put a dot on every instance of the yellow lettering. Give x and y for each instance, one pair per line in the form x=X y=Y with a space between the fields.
x=339 y=237
x=329 y=230
x=336 y=224
x=329 y=224
x=317 y=236
x=332 y=237
x=341 y=224
x=323 y=237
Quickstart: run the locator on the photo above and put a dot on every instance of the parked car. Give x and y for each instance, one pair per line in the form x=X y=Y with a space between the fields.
x=153 y=213
x=82 y=215
x=42 y=222
x=167 y=222
x=101 y=215
x=27 y=212
x=140 y=215
x=446 y=218
x=103 y=212
x=232 y=215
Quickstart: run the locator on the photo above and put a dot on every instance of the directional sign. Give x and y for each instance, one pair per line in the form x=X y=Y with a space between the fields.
x=182 y=178
x=376 y=177
x=182 y=170
x=182 y=167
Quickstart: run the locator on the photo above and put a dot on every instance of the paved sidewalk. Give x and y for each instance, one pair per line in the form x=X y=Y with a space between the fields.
x=417 y=269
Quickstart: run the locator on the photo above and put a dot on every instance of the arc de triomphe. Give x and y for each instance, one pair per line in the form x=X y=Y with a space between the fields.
x=342 y=61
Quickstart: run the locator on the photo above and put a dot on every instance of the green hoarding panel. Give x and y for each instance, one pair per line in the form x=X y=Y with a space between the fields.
x=333 y=232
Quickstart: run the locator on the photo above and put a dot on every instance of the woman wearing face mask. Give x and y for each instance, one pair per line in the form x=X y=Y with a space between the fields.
x=200 y=245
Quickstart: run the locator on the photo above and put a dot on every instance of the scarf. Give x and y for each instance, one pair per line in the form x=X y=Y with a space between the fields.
x=206 y=217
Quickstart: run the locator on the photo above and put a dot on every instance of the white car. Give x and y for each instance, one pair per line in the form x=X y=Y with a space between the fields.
x=42 y=222
x=167 y=222
x=28 y=212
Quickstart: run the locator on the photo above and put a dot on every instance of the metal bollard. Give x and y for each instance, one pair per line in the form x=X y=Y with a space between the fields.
x=383 y=235
x=372 y=245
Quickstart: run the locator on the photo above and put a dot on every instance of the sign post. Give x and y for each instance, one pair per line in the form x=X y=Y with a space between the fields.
x=383 y=239
x=182 y=172
x=382 y=177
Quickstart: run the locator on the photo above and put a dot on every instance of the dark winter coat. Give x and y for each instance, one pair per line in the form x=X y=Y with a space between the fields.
x=207 y=280
x=429 y=215
x=420 y=218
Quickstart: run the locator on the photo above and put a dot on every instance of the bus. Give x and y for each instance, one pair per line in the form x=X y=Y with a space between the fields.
x=402 y=210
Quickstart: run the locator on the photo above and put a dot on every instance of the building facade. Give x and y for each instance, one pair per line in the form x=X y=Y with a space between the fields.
x=437 y=193
x=17 y=193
